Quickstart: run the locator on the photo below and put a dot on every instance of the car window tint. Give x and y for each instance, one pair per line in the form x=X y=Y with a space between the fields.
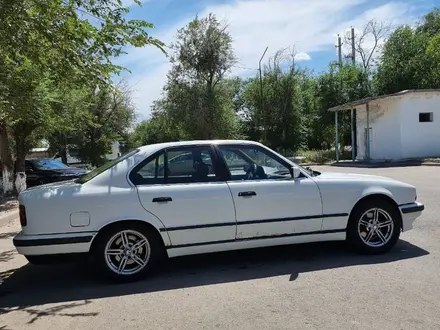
x=152 y=172
x=186 y=165
x=89 y=176
x=190 y=165
x=251 y=163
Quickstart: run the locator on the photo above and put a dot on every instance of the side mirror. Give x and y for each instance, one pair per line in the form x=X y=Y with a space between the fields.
x=294 y=171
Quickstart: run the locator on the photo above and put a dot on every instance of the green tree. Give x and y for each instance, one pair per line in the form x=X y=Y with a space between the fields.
x=410 y=58
x=73 y=40
x=106 y=118
x=198 y=98
x=339 y=85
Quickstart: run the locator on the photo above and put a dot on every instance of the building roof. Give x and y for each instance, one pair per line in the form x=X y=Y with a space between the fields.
x=351 y=105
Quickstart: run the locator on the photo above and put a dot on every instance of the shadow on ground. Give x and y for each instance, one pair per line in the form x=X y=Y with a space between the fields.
x=31 y=286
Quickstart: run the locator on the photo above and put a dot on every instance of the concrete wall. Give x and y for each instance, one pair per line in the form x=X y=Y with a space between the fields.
x=385 y=132
x=420 y=139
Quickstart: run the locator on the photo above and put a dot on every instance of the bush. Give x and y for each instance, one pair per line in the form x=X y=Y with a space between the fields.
x=322 y=156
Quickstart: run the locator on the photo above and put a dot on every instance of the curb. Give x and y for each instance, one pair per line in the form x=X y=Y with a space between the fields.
x=382 y=165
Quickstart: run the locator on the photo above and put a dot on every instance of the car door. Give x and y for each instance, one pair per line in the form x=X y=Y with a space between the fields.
x=268 y=201
x=32 y=177
x=196 y=207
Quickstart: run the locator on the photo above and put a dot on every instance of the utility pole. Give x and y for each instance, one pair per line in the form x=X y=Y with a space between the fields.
x=261 y=96
x=353 y=48
x=339 y=47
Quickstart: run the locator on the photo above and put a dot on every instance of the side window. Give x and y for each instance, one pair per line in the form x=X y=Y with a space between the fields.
x=250 y=163
x=190 y=165
x=186 y=165
x=153 y=172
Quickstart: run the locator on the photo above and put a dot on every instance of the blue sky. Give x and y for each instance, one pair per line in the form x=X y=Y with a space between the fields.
x=311 y=26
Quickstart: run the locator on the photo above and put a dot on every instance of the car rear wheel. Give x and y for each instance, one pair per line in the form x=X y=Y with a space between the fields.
x=374 y=227
x=127 y=253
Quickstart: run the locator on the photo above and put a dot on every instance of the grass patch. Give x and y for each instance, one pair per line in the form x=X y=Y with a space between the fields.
x=321 y=156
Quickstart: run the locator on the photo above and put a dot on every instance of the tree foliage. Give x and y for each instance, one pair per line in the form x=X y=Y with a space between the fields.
x=49 y=48
x=198 y=100
x=410 y=58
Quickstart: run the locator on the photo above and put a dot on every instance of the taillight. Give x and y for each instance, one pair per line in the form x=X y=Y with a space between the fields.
x=22 y=211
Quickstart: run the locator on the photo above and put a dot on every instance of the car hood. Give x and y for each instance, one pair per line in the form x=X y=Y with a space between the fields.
x=67 y=171
x=353 y=177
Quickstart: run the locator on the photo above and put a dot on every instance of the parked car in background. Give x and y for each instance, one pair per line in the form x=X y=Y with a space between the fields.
x=45 y=170
x=227 y=195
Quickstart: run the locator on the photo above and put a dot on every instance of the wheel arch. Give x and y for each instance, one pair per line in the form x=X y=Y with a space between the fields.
x=382 y=194
x=162 y=236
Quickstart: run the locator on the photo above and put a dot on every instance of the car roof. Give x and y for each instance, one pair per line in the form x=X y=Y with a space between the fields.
x=158 y=146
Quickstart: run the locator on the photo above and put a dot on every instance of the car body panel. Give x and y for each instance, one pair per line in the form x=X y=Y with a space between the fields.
x=198 y=212
x=279 y=207
x=203 y=217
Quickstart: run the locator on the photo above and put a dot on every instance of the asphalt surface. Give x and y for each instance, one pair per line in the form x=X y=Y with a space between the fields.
x=311 y=286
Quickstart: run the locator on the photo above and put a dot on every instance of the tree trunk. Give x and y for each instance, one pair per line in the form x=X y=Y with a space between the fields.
x=6 y=158
x=64 y=155
x=20 y=166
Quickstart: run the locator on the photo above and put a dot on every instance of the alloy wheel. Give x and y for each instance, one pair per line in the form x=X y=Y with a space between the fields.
x=127 y=252
x=375 y=227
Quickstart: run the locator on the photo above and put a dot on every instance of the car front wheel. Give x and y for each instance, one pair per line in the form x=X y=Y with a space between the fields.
x=374 y=227
x=127 y=253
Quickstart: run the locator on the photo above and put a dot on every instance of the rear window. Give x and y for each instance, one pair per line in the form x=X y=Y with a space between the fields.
x=89 y=176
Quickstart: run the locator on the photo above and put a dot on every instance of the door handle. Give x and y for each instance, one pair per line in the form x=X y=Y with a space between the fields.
x=162 y=199
x=247 y=193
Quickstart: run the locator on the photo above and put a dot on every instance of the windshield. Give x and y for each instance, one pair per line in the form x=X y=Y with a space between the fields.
x=89 y=176
x=48 y=164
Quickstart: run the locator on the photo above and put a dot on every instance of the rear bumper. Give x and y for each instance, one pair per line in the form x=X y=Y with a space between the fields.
x=410 y=212
x=53 y=243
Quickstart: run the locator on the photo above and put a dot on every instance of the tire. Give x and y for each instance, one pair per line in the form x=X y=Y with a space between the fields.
x=149 y=252
x=368 y=236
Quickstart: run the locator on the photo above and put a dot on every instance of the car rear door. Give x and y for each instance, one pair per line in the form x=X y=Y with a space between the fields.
x=270 y=203
x=196 y=207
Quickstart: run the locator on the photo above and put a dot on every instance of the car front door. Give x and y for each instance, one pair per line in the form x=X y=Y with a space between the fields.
x=32 y=177
x=268 y=201
x=195 y=206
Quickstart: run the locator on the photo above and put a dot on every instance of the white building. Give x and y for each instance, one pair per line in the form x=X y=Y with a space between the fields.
x=397 y=126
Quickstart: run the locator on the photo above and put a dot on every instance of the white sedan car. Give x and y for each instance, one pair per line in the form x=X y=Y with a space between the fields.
x=128 y=214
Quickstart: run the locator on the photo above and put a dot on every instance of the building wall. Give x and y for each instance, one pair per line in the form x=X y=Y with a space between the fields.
x=420 y=139
x=385 y=132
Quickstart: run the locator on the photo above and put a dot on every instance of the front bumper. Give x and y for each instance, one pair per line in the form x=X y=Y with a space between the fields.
x=53 y=243
x=410 y=212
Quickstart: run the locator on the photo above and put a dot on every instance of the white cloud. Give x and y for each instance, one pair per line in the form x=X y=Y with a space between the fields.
x=254 y=24
x=302 y=57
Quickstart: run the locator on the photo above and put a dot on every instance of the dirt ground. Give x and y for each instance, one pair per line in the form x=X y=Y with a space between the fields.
x=311 y=286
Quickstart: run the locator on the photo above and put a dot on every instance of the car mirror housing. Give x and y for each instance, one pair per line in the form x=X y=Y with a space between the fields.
x=294 y=172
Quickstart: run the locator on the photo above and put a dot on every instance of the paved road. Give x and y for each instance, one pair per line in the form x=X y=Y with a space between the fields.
x=317 y=286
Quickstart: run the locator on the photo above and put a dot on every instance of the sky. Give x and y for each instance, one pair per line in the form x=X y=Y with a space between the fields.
x=310 y=26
